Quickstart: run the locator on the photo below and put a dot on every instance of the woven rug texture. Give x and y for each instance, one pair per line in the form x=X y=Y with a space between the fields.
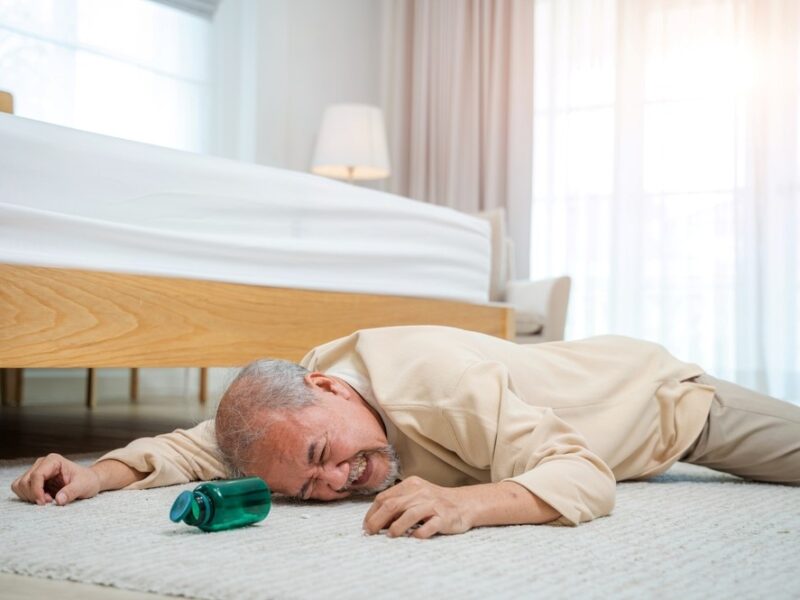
x=690 y=533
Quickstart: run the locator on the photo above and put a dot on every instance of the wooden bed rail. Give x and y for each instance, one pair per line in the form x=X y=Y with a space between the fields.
x=72 y=318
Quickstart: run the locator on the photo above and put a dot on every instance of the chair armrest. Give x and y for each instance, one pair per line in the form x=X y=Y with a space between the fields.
x=547 y=297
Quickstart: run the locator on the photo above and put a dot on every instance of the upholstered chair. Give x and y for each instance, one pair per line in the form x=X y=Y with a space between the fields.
x=540 y=306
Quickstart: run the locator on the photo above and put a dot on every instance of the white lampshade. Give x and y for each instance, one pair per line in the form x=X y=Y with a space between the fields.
x=351 y=143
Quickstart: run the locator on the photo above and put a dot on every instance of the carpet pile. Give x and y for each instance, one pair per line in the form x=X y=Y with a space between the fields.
x=689 y=533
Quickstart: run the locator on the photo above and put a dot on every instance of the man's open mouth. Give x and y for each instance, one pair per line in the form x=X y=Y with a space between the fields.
x=360 y=471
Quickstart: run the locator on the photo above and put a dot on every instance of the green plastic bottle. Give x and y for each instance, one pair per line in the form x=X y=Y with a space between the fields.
x=223 y=504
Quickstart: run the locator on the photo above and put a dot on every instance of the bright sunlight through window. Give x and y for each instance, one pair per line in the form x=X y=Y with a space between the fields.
x=666 y=164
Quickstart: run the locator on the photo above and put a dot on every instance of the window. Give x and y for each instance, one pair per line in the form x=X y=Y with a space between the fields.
x=133 y=69
x=666 y=176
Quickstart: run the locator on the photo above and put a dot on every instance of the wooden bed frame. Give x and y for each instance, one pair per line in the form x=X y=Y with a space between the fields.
x=72 y=318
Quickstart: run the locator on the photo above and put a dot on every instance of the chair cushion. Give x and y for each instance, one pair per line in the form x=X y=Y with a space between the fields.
x=528 y=323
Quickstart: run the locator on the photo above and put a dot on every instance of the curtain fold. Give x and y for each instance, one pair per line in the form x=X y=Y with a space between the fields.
x=458 y=100
x=667 y=176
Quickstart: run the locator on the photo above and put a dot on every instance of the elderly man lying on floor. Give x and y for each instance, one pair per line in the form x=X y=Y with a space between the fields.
x=481 y=431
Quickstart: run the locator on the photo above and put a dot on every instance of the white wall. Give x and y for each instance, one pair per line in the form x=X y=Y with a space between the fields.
x=279 y=63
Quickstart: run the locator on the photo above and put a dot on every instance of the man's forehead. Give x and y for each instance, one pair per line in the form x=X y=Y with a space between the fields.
x=287 y=440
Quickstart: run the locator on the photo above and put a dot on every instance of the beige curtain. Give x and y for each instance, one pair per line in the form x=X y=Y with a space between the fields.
x=457 y=90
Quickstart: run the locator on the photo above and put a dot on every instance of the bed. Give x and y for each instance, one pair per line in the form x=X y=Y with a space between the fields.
x=120 y=254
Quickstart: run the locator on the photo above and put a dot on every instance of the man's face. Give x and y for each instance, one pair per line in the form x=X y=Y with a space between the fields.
x=326 y=451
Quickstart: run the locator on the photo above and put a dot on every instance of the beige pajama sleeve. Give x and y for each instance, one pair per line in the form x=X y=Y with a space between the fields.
x=179 y=457
x=491 y=427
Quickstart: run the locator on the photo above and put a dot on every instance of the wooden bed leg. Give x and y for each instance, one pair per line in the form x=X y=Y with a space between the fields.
x=19 y=386
x=203 y=385
x=91 y=388
x=5 y=386
x=134 y=392
x=11 y=385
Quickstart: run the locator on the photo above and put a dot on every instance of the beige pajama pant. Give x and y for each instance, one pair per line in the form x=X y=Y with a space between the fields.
x=748 y=434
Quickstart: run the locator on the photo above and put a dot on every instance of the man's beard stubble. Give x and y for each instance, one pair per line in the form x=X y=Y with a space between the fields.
x=395 y=471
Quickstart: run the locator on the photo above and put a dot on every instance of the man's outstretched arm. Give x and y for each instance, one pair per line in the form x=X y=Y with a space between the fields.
x=177 y=457
x=181 y=456
x=55 y=478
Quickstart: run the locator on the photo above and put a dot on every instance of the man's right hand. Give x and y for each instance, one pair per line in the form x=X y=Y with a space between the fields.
x=53 y=477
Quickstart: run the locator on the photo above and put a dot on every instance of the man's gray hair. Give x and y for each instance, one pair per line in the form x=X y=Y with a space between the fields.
x=260 y=391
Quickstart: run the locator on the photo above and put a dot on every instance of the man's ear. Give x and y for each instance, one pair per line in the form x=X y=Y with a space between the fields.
x=324 y=382
x=333 y=385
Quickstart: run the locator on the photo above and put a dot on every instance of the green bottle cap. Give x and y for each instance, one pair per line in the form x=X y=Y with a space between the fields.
x=183 y=505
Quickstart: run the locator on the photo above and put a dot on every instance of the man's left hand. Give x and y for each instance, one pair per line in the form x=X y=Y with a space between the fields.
x=422 y=509
x=415 y=502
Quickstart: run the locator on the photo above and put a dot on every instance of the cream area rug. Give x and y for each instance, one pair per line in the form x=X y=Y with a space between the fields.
x=690 y=533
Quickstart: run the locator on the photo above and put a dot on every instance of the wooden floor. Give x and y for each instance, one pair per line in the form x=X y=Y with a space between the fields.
x=36 y=430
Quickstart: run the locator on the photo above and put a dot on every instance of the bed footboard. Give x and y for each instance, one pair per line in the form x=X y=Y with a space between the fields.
x=71 y=318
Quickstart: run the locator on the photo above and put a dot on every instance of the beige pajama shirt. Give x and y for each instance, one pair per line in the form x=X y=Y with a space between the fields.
x=566 y=420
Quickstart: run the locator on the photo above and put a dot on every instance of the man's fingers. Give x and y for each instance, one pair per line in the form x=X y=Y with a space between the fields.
x=15 y=487
x=52 y=485
x=416 y=506
x=383 y=512
x=397 y=493
x=82 y=484
x=429 y=528
x=39 y=483
x=67 y=494
x=47 y=469
x=23 y=488
x=379 y=501
x=408 y=519
x=19 y=485
x=36 y=487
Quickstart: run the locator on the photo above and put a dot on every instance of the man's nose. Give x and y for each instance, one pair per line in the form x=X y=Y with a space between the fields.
x=336 y=475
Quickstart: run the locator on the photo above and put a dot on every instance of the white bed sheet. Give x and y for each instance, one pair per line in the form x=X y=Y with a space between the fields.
x=74 y=199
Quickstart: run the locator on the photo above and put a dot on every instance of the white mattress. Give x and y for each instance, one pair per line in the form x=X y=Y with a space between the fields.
x=74 y=199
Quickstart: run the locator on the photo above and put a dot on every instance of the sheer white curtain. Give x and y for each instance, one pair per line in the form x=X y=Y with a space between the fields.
x=666 y=169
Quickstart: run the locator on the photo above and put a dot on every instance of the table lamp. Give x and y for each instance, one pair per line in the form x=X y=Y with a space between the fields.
x=351 y=144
